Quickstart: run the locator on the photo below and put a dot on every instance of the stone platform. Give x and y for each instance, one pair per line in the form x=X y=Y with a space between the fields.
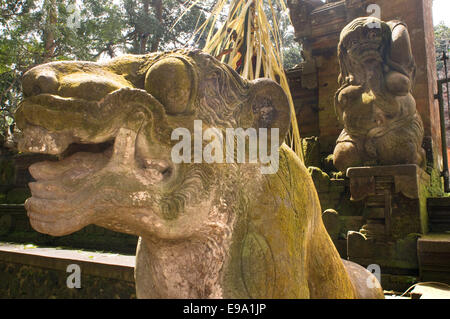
x=15 y=227
x=395 y=216
x=27 y=271
x=395 y=199
x=434 y=257
x=431 y=291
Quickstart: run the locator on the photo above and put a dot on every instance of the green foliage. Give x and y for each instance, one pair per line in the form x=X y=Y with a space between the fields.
x=292 y=55
x=291 y=49
x=149 y=24
x=442 y=43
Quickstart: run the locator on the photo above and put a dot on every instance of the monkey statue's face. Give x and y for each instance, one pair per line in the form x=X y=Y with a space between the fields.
x=364 y=44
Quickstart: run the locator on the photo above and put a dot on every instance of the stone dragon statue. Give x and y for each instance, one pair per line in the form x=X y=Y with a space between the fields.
x=375 y=102
x=206 y=230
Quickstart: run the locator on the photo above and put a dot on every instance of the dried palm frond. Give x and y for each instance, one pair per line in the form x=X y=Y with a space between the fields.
x=251 y=44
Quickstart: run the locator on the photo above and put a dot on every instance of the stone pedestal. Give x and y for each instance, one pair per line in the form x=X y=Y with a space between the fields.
x=395 y=214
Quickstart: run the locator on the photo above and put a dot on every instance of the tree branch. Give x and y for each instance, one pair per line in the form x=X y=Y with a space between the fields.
x=195 y=6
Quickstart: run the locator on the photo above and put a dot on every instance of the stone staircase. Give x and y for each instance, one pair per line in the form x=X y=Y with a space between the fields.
x=433 y=249
x=15 y=228
x=439 y=214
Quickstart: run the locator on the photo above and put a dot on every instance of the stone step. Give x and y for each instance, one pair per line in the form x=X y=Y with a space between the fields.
x=15 y=228
x=439 y=214
x=434 y=257
x=28 y=271
x=431 y=291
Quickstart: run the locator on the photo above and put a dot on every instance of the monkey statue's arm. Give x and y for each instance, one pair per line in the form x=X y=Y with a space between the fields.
x=400 y=77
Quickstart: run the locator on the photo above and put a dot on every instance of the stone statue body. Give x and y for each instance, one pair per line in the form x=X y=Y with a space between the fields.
x=206 y=230
x=374 y=102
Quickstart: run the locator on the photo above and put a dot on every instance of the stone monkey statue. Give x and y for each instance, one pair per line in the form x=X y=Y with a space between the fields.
x=374 y=102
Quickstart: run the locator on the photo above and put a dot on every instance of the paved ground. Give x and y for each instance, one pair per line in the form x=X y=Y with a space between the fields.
x=432 y=291
x=423 y=290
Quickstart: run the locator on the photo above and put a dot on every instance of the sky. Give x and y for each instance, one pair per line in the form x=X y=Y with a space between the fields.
x=441 y=12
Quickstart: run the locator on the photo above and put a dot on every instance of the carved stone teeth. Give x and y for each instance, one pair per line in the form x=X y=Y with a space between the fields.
x=159 y=165
x=39 y=140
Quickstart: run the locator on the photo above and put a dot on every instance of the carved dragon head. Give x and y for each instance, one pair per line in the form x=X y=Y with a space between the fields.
x=111 y=124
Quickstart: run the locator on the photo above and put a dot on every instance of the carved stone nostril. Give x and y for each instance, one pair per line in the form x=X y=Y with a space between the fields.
x=47 y=83
x=39 y=81
x=36 y=90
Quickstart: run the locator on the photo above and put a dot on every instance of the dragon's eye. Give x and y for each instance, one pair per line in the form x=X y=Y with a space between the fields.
x=170 y=80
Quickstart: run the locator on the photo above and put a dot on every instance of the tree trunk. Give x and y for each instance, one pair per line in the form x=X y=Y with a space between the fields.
x=158 y=7
x=49 y=29
x=144 y=36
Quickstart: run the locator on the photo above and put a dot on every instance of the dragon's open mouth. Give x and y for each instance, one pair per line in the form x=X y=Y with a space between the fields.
x=73 y=148
x=65 y=126
x=38 y=140
x=103 y=154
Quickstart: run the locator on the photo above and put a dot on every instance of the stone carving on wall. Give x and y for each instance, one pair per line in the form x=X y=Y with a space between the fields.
x=206 y=230
x=374 y=101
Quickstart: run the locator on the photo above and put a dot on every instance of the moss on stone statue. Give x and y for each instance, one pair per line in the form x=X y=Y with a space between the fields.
x=311 y=151
x=334 y=193
x=320 y=178
x=435 y=188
